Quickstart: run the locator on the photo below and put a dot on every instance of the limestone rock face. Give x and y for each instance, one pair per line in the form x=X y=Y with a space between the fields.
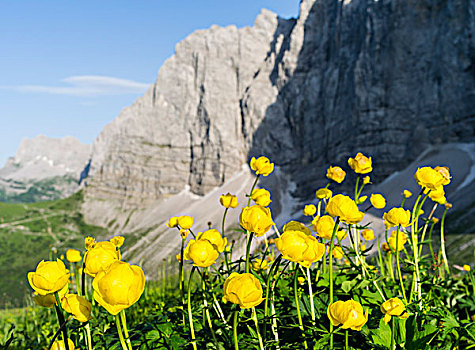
x=43 y=168
x=388 y=78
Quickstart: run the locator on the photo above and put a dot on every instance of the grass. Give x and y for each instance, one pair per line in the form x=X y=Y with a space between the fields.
x=29 y=232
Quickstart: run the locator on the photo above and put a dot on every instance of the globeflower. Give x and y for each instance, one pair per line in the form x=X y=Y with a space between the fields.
x=444 y=171
x=242 y=289
x=228 y=200
x=89 y=243
x=78 y=306
x=429 y=178
x=368 y=234
x=407 y=193
x=378 y=201
x=361 y=164
x=119 y=286
x=118 y=241
x=323 y=225
x=59 y=345
x=323 y=193
x=345 y=208
x=49 y=300
x=185 y=222
x=393 y=307
x=49 y=277
x=260 y=264
x=296 y=246
x=261 y=196
x=338 y=252
x=467 y=267
x=202 y=252
x=100 y=257
x=366 y=180
x=296 y=226
x=262 y=166
x=336 y=174
x=397 y=216
x=309 y=210
x=172 y=222
x=438 y=195
x=73 y=255
x=256 y=219
x=401 y=240
x=214 y=237
x=348 y=313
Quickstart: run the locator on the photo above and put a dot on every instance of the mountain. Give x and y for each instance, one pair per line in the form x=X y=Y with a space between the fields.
x=43 y=168
x=390 y=78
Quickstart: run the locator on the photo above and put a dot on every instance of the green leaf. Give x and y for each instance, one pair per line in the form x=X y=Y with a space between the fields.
x=382 y=335
x=347 y=285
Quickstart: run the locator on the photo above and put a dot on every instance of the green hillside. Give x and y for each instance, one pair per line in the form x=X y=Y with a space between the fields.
x=28 y=232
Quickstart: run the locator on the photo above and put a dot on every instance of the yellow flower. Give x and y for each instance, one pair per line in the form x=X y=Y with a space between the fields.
x=361 y=164
x=73 y=255
x=435 y=220
x=262 y=166
x=243 y=289
x=59 y=345
x=407 y=193
x=49 y=277
x=49 y=300
x=259 y=264
x=363 y=247
x=78 y=306
x=438 y=195
x=261 y=196
x=393 y=307
x=429 y=178
x=301 y=280
x=214 y=237
x=345 y=208
x=323 y=193
x=368 y=234
x=184 y=233
x=89 y=243
x=378 y=201
x=366 y=180
x=467 y=268
x=397 y=216
x=402 y=239
x=185 y=222
x=448 y=205
x=338 y=252
x=172 y=222
x=348 y=313
x=178 y=257
x=296 y=226
x=118 y=287
x=256 y=219
x=336 y=174
x=228 y=200
x=361 y=199
x=118 y=241
x=202 y=252
x=296 y=246
x=323 y=225
x=341 y=235
x=309 y=210
x=100 y=257
x=445 y=172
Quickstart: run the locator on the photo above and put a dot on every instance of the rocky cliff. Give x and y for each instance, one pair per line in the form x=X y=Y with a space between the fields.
x=43 y=168
x=389 y=78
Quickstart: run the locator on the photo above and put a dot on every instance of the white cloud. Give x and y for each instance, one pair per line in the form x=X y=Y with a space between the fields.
x=86 y=85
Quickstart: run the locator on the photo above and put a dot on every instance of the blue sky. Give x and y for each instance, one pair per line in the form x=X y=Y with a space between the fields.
x=69 y=67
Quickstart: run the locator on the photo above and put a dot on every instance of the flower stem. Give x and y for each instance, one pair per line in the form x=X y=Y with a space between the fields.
x=190 y=315
x=297 y=304
x=310 y=292
x=119 y=331
x=259 y=338
x=59 y=313
x=398 y=266
x=182 y=280
x=89 y=338
x=235 y=326
x=248 y=248
x=381 y=264
x=442 y=242
x=332 y=241
x=346 y=340
x=126 y=331
x=393 y=336
x=222 y=232
x=206 y=308
x=83 y=276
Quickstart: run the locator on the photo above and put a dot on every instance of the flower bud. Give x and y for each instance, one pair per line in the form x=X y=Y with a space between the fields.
x=89 y=243
x=366 y=180
x=261 y=196
x=185 y=222
x=323 y=193
x=323 y=225
x=118 y=241
x=309 y=210
x=397 y=216
x=59 y=345
x=407 y=193
x=260 y=264
x=202 y=252
x=78 y=306
x=100 y=257
x=172 y=222
x=345 y=208
x=368 y=234
x=49 y=300
x=256 y=219
x=49 y=277
x=378 y=201
x=296 y=226
x=338 y=252
x=73 y=255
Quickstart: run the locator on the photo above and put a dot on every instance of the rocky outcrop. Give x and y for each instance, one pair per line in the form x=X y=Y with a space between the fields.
x=388 y=78
x=43 y=168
